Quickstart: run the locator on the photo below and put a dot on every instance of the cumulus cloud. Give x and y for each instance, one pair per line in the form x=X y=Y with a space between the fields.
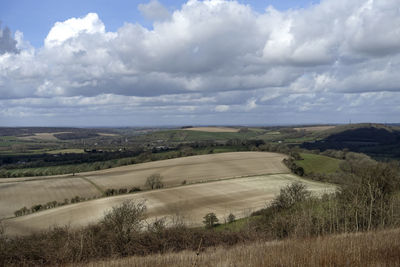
x=73 y=28
x=212 y=59
x=154 y=11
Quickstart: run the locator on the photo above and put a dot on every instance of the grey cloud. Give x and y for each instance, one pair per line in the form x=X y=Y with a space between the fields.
x=7 y=43
x=154 y=11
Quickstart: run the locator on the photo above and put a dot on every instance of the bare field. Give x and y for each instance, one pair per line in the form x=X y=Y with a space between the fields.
x=16 y=193
x=315 y=128
x=42 y=136
x=107 y=134
x=213 y=129
x=192 y=169
x=239 y=196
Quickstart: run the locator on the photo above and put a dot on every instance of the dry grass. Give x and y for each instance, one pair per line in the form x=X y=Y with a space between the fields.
x=213 y=129
x=380 y=248
x=239 y=196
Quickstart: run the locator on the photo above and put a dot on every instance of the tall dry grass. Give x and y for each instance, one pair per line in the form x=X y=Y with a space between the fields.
x=381 y=248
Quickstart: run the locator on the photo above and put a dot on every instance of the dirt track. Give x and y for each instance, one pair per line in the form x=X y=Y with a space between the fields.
x=16 y=193
x=240 y=196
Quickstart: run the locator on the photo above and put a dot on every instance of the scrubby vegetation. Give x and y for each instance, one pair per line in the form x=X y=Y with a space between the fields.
x=380 y=248
x=49 y=205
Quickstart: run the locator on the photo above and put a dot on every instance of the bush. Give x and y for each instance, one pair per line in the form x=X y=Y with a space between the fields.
x=134 y=189
x=290 y=195
x=122 y=191
x=124 y=220
x=154 y=181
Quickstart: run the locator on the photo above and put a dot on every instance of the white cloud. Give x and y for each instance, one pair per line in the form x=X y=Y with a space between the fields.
x=71 y=28
x=222 y=108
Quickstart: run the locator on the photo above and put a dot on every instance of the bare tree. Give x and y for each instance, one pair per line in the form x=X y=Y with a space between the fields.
x=123 y=221
x=154 y=181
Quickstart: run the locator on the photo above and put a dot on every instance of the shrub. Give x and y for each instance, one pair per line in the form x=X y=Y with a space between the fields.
x=109 y=192
x=134 y=189
x=154 y=181
x=124 y=220
x=122 y=191
x=290 y=195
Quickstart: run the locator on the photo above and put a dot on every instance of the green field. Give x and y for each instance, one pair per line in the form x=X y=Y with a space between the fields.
x=66 y=151
x=180 y=135
x=313 y=163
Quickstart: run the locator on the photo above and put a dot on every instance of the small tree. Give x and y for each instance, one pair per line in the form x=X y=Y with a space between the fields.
x=231 y=218
x=154 y=181
x=290 y=195
x=210 y=220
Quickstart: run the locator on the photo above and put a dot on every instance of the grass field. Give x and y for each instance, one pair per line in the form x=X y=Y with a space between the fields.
x=381 y=248
x=239 y=196
x=16 y=193
x=315 y=128
x=65 y=151
x=318 y=163
x=194 y=135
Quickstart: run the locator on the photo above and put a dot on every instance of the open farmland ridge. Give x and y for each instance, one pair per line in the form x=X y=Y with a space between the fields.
x=16 y=193
x=189 y=203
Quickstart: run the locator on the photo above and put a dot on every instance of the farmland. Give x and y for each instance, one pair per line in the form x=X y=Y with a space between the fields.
x=238 y=172
x=192 y=169
x=16 y=193
x=213 y=129
x=239 y=196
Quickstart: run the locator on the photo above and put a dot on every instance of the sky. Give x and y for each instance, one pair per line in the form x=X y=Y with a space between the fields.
x=213 y=62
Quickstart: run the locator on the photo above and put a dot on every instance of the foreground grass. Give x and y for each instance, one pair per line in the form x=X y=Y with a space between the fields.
x=381 y=248
x=313 y=163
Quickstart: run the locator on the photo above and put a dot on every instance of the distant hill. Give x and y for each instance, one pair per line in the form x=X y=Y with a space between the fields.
x=376 y=140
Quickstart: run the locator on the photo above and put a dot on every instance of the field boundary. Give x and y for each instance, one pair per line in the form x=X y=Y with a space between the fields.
x=92 y=183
